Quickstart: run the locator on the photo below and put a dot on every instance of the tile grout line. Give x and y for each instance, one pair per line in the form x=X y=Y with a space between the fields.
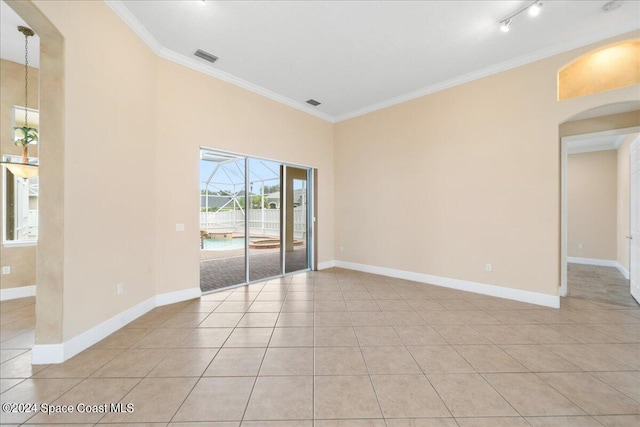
x=205 y=369
x=244 y=413
x=375 y=392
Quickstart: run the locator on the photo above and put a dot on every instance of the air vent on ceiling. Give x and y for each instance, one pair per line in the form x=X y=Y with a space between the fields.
x=611 y=6
x=205 y=55
x=313 y=102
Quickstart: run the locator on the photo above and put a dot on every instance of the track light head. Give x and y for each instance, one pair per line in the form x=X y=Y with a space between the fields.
x=534 y=9
x=504 y=25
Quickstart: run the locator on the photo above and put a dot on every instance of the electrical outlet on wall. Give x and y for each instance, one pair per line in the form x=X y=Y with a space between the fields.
x=341 y=248
x=6 y=269
x=580 y=246
x=488 y=267
x=119 y=289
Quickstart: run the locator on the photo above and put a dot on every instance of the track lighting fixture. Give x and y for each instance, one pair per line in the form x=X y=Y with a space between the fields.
x=534 y=9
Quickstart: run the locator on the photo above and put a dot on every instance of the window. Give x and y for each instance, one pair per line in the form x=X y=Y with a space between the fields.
x=20 y=201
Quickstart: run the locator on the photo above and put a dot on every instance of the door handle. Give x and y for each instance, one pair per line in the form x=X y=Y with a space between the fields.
x=630 y=237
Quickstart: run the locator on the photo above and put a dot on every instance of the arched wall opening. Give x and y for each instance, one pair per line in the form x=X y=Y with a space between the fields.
x=50 y=252
x=609 y=120
x=610 y=67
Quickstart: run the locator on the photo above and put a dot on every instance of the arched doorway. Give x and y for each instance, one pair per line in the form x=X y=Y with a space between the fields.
x=586 y=139
x=50 y=251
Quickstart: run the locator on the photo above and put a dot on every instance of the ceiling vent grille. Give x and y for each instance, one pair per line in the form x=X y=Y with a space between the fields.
x=206 y=55
x=313 y=102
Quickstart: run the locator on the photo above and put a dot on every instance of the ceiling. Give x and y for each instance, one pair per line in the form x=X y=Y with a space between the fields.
x=598 y=141
x=12 y=41
x=358 y=56
x=354 y=56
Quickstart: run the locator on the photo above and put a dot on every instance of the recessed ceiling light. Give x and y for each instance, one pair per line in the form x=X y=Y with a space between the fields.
x=205 y=55
x=313 y=102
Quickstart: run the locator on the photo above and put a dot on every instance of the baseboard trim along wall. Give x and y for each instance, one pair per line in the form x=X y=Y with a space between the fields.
x=19 y=292
x=600 y=263
x=622 y=270
x=462 y=285
x=326 y=264
x=592 y=261
x=58 y=353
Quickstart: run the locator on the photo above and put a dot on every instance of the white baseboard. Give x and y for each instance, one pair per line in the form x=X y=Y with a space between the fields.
x=622 y=270
x=592 y=261
x=463 y=285
x=44 y=354
x=326 y=264
x=19 y=292
x=600 y=263
x=58 y=353
x=177 y=296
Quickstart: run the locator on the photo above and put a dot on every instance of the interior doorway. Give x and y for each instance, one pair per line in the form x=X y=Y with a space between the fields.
x=634 y=224
x=596 y=215
x=255 y=219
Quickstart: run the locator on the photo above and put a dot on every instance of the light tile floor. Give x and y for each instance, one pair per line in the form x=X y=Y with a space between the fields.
x=341 y=348
x=603 y=284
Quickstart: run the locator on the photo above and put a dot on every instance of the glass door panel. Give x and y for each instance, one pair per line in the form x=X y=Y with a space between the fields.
x=264 y=219
x=222 y=220
x=296 y=219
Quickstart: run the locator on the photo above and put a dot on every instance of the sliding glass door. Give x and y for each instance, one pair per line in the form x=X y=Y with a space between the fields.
x=265 y=258
x=222 y=220
x=296 y=255
x=254 y=219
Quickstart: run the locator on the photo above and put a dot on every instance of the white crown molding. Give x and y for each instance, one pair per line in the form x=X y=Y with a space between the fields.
x=462 y=285
x=132 y=22
x=573 y=142
x=195 y=64
x=121 y=10
x=494 y=69
x=19 y=292
x=58 y=353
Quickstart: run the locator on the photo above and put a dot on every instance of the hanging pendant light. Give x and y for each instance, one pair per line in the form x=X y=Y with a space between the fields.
x=25 y=135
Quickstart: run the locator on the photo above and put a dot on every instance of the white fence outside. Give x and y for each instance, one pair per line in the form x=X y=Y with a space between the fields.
x=262 y=222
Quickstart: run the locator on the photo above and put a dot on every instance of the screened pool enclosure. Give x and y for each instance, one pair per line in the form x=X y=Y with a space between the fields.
x=255 y=219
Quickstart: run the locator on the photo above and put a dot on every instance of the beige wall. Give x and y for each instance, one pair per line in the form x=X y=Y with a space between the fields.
x=110 y=127
x=129 y=164
x=476 y=165
x=448 y=182
x=592 y=180
x=224 y=117
x=623 y=202
x=22 y=260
